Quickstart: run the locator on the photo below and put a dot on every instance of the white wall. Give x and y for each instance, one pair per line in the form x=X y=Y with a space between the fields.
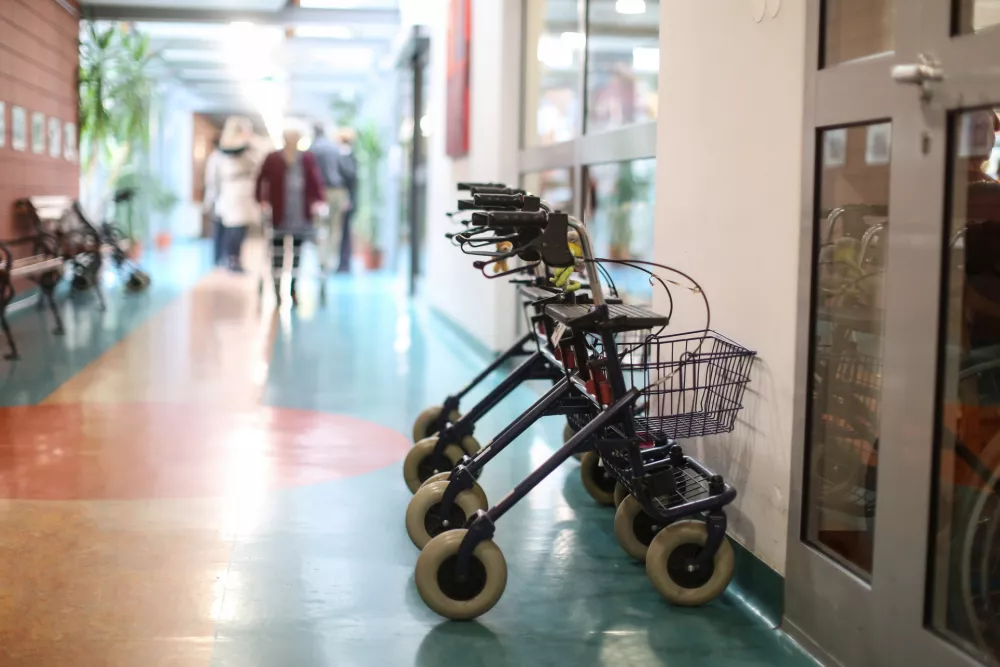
x=484 y=307
x=728 y=205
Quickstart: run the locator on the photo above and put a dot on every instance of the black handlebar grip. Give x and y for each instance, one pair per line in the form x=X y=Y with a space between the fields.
x=490 y=190
x=503 y=200
x=466 y=205
x=518 y=218
x=468 y=185
x=480 y=219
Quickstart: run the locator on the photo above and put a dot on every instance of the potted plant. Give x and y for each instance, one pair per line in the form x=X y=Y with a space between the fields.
x=621 y=212
x=116 y=91
x=370 y=148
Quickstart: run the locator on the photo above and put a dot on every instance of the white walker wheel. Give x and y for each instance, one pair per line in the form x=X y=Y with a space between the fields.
x=424 y=520
x=476 y=489
x=470 y=445
x=568 y=433
x=423 y=425
x=634 y=528
x=620 y=493
x=670 y=566
x=418 y=466
x=454 y=598
x=596 y=481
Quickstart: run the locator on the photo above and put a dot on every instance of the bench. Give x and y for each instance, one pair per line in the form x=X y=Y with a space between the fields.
x=43 y=265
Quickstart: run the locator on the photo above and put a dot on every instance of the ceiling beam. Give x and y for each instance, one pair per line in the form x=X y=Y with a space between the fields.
x=287 y=16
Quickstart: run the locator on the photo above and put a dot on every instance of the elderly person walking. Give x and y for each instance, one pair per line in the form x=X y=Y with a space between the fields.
x=290 y=184
x=339 y=170
x=230 y=177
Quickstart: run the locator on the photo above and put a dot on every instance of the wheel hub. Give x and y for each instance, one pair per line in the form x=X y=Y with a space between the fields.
x=684 y=569
x=645 y=528
x=459 y=587
x=436 y=523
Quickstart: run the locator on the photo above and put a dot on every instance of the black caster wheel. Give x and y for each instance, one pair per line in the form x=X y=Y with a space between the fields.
x=423 y=425
x=424 y=520
x=599 y=484
x=419 y=464
x=452 y=596
x=634 y=529
x=670 y=565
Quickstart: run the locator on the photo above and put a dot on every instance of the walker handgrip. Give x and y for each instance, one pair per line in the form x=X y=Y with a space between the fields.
x=498 y=199
x=468 y=185
x=518 y=218
x=491 y=190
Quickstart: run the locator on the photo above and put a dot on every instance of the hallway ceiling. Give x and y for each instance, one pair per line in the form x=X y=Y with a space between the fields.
x=218 y=50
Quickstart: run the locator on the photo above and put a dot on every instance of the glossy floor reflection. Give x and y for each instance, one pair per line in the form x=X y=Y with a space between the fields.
x=239 y=503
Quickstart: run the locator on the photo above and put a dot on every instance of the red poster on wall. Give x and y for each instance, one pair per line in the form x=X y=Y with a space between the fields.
x=459 y=33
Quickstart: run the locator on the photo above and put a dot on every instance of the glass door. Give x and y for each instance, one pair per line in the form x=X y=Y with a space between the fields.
x=891 y=546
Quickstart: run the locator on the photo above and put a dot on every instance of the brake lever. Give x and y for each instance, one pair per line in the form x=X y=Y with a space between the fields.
x=517 y=269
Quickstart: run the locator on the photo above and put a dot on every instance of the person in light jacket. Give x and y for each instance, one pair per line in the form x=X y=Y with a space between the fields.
x=291 y=186
x=230 y=179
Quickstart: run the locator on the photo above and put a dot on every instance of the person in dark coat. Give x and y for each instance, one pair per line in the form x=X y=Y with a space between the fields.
x=290 y=185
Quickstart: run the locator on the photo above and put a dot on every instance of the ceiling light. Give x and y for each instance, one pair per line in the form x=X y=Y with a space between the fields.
x=630 y=6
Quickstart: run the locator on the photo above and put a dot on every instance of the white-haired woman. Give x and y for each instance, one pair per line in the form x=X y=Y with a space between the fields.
x=230 y=185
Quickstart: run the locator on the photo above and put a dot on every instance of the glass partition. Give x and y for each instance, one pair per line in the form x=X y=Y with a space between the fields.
x=619 y=214
x=553 y=62
x=623 y=62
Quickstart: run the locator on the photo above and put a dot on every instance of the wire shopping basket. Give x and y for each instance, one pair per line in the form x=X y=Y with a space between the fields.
x=692 y=384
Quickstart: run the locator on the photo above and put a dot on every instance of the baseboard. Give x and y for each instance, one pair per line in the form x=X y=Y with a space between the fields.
x=758 y=586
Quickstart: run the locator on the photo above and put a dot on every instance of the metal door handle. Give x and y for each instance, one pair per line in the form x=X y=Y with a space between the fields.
x=922 y=74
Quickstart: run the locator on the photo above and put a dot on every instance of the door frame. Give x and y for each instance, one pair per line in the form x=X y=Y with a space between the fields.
x=836 y=614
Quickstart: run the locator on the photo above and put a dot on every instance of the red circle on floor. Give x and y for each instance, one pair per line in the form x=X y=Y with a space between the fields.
x=101 y=451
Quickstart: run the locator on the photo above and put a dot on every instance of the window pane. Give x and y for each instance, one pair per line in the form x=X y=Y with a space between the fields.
x=553 y=61
x=623 y=62
x=976 y=15
x=966 y=571
x=845 y=385
x=555 y=186
x=856 y=28
x=619 y=217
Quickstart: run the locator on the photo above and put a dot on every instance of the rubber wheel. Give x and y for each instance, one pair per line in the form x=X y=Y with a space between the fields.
x=569 y=432
x=668 y=559
x=476 y=489
x=424 y=423
x=620 y=493
x=424 y=520
x=470 y=445
x=418 y=466
x=598 y=483
x=634 y=528
x=444 y=593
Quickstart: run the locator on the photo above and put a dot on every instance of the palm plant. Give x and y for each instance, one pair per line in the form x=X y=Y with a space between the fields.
x=371 y=151
x=116 y=92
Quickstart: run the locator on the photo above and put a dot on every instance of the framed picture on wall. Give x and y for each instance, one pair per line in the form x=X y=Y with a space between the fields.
x=38 y=133
x=18 y=128
x=55 y=138
x=69 y=141
x=3 y=124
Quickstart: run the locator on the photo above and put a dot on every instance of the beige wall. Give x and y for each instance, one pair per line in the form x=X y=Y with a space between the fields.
x=483 y=307
x=728 y=209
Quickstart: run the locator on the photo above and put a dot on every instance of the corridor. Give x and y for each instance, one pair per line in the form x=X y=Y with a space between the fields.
x=195 y=479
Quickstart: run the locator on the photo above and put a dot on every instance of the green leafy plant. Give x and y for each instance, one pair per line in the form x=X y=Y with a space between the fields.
x=116 y=91
x=370 y=148
x=344 y=110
